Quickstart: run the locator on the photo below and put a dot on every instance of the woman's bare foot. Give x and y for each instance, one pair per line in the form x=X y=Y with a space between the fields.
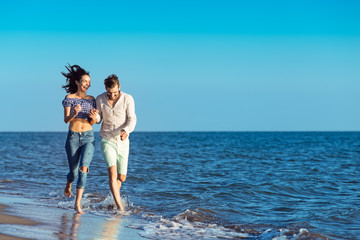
x=67 y=190
x=78 y=209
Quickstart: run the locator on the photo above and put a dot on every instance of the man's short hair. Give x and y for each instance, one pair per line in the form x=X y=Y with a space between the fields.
x=111 y=81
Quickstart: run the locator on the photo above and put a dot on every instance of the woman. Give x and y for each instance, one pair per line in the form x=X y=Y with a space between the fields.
x=79 y=111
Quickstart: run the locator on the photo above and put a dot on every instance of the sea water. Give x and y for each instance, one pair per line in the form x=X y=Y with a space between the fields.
x=206 y=185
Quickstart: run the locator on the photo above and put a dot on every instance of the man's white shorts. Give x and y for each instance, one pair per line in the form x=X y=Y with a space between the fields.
x=116 y=154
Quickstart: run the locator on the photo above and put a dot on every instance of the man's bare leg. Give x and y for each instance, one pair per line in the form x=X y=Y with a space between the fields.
x=119 y=184
x=67 y=190
x=122 y=177
x=114 y=186
x=120 y=180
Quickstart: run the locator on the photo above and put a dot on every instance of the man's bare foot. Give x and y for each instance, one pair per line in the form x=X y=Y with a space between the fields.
x=67 y=190
x=120 y=207
x=78 y=209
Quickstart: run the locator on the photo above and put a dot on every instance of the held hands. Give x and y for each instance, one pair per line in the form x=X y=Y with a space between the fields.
x=123 y=135
x=93 y=113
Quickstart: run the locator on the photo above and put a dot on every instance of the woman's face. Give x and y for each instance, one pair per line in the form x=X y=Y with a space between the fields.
x=84 y=83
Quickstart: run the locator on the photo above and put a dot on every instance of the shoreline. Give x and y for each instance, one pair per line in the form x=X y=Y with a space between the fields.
x=8 y=218
x=24 y=218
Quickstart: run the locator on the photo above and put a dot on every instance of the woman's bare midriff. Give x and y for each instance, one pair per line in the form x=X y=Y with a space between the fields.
x=80 y=125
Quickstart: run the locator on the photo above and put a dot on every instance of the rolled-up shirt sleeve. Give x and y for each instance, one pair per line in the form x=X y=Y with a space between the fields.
x=130 y=123
x=131 y=116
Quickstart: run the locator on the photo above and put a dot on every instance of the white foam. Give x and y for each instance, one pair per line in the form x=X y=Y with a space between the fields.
x=54 y=193
x=280 y=238
x=159 y=227
x=301 y=234
x=284 y=234
x=95 y=203
x=191 y=224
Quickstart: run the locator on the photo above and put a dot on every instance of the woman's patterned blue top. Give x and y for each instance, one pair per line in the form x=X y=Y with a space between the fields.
x=86 y=106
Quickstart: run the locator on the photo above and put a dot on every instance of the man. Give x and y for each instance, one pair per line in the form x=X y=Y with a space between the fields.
x=116 y=110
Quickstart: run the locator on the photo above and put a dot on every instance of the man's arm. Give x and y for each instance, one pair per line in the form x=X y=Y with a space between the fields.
x=130 y=120
x=98 y=108
x=131 y=116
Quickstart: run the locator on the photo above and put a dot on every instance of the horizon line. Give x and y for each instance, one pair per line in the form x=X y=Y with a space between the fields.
x=200 y=131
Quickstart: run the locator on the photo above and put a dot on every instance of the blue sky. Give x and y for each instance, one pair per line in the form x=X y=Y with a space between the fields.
x=190 y=65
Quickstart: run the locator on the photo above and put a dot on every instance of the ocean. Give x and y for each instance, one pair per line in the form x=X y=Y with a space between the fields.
x=196 y=185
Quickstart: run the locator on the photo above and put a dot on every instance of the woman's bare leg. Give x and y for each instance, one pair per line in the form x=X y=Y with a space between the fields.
x=79 y=193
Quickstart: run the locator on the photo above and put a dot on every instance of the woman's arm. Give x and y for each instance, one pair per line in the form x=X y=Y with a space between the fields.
x=70 y=115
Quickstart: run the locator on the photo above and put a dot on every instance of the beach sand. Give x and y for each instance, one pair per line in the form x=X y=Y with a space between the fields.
x=10 y=219
x=22 y=218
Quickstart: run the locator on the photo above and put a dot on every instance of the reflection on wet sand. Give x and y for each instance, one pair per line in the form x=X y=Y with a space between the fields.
x=110 y=228
x=70 y=233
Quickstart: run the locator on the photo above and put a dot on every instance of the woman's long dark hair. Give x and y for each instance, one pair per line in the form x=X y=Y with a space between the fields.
x=75 y=74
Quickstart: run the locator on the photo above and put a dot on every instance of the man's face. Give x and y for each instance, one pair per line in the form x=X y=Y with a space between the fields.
x=113 y=93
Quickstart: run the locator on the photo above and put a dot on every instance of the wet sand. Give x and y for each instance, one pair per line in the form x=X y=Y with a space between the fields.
x=6 y=218
x=22 y=218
